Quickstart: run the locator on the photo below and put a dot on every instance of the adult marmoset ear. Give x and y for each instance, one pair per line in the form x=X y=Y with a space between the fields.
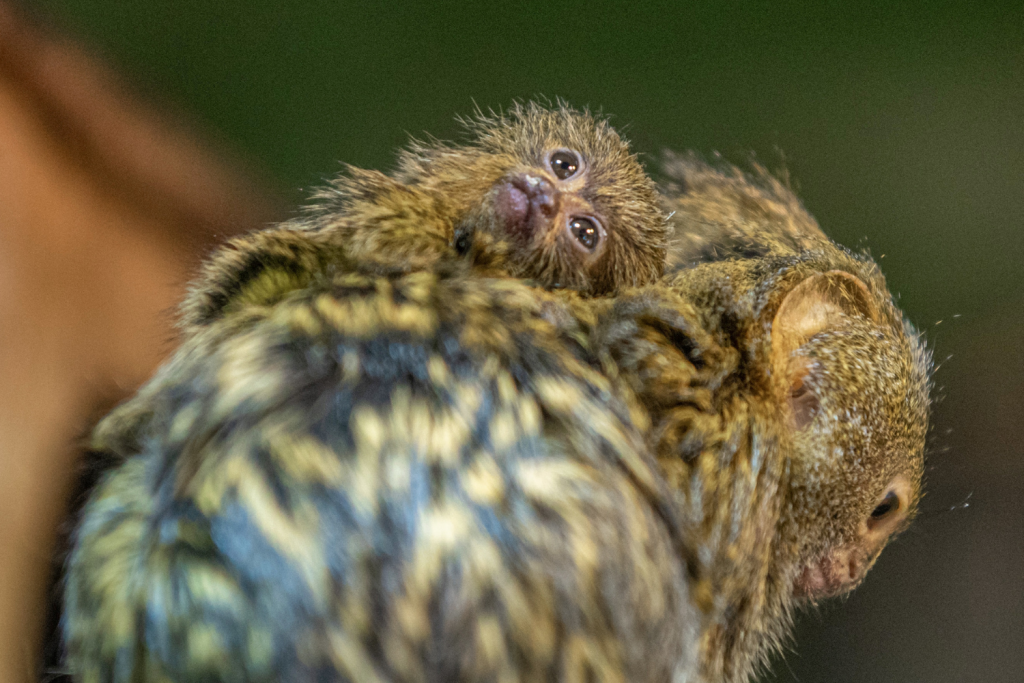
x=854 y=475
x=816 y=305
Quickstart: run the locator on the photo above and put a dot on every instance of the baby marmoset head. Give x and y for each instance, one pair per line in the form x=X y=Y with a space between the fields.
x=552 y=195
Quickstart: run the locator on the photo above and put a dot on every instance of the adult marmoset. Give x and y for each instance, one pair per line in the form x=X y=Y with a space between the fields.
x=552 y=195
x=731 y=373
x=841 y=382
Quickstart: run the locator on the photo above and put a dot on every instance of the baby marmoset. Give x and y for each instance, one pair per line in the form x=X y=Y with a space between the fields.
x=551 y=195
x=427 y=483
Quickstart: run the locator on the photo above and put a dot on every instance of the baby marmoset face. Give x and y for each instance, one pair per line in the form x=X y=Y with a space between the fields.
x=554 y=196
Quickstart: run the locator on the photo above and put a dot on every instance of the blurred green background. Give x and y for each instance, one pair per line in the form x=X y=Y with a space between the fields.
x=902 y=124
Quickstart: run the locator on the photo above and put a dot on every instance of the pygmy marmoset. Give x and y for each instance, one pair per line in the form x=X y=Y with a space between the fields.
x=841 y=384
x=552 y=195
x=439 y=477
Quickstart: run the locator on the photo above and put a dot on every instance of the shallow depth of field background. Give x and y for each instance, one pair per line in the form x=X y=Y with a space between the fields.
x=903 y=127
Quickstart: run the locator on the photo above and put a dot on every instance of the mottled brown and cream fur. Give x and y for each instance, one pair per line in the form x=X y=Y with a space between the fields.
x=440 y=476
x=411 y=479
x=794 y=311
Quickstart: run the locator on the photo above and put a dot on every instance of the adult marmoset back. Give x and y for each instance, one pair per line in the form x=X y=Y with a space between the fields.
x=410 y=479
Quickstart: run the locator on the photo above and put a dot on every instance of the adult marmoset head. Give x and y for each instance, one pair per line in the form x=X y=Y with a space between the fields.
x=851 y=372
x=553 y=195
x=788 y=399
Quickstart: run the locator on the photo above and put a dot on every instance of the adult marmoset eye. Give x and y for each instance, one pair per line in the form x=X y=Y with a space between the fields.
x=565 y=164
x=889 y=503
x=585 y=231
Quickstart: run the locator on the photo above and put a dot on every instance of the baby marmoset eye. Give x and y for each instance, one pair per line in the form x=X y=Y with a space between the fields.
x=586 y=232
x=564 y=163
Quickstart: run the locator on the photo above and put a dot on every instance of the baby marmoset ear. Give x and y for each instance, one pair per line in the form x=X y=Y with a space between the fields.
x=816 y=305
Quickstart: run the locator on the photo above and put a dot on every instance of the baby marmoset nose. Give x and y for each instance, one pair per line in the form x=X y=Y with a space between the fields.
x=543 y=195
x=524 y=200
